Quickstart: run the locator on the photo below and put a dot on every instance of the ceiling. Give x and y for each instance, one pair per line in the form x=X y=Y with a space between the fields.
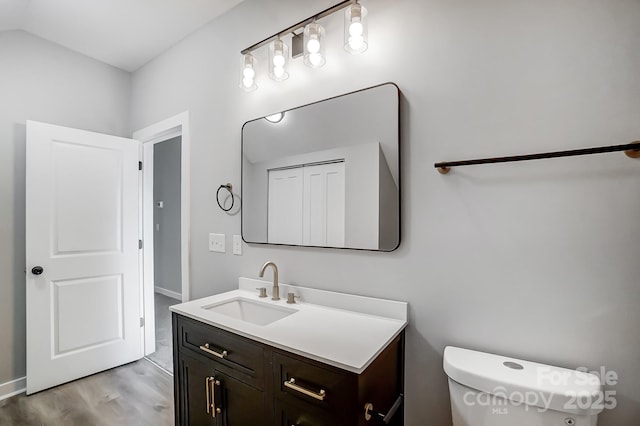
x=123 y=33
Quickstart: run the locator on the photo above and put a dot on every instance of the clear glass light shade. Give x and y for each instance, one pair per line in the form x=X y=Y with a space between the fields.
x=355 y=29
x=248 y=73
x=278 y=60
x=314 y=56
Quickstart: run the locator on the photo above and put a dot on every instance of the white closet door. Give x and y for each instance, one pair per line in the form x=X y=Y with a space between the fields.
x=284 y=223
x=324 y=205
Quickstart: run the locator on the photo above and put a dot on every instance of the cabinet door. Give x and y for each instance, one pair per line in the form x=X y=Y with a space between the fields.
x=303 y=415
x=195 y=393
x=239 y=403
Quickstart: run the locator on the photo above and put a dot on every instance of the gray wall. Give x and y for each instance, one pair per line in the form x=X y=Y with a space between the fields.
x=166 y=240
x=41 y=81
x=536 y=260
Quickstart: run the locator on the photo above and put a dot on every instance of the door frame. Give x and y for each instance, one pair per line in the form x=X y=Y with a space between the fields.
x=171 y=127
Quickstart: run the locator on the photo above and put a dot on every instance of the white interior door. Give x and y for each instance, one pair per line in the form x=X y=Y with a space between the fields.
x=83 y=309
x=285 y=206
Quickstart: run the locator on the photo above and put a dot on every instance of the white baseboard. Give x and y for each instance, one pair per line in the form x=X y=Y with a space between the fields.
x=12 y=388
x=168 y=293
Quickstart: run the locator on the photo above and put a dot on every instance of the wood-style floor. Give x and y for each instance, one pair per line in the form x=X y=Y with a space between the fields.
x=163 y=356
x=135 y=394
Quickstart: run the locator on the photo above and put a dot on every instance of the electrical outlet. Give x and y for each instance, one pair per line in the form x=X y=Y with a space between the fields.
x=237 y=245
x=217 y=243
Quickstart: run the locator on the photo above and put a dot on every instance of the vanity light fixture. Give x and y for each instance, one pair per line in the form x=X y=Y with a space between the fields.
x=248 y=73
x=355 y=29
x=307 y=38
x=314 y=45
x=278 y=60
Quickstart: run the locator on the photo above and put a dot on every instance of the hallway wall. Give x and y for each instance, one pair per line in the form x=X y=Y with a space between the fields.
x=166 y=188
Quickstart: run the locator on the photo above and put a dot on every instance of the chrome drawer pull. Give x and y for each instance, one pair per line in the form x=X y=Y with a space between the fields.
x=208 y=350
x=291 y=384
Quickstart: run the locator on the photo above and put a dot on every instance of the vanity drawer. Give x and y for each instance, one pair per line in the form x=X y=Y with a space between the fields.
x=234 y=355
x=314 y=384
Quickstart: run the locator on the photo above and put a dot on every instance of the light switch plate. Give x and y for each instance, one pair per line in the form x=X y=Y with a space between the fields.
x=217 y=243
x=237 y=245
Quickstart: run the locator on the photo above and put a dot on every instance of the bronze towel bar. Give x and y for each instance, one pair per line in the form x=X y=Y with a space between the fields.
x=631 y=149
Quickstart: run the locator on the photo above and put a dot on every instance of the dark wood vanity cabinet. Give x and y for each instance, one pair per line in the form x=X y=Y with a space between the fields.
x=223 y=379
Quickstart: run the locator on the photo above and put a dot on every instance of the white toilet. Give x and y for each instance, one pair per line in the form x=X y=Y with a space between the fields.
x=493 y=390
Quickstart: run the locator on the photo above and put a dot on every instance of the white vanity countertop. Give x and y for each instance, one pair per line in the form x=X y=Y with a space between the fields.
x=343 y=330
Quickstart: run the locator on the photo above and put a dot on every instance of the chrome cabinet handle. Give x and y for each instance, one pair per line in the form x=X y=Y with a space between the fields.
x=208 y=350
x=291 y=384
x=214 y=410
x=208 y=393
x=211 y=396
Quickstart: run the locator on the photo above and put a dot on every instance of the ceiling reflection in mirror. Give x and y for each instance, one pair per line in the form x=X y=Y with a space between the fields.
x=325 y=174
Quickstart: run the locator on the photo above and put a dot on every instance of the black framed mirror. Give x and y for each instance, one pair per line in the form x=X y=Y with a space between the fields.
x=326 y=174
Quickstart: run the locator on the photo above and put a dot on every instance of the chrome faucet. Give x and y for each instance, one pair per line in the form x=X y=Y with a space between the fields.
x=276 y=290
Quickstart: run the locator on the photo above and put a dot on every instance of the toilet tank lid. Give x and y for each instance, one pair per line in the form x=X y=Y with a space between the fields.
x=530 y=383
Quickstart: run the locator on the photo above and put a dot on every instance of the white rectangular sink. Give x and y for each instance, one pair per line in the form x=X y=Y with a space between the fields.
x=250 y=311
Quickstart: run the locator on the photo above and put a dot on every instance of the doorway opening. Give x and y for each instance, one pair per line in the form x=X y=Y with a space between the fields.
x=164 y=220
x=167 y=279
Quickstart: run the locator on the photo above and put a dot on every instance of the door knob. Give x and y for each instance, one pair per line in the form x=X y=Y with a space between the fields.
x=37 y=270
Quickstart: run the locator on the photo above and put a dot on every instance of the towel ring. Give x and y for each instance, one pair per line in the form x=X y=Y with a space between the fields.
x=229 y=188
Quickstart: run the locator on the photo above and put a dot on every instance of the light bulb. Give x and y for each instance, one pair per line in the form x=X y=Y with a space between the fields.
x=313 y=46
x=356 y=42
x=278 y=61
x=247 y=82
x=248 y=73
x=356 y=29
x=315 y=59
x=278 y=71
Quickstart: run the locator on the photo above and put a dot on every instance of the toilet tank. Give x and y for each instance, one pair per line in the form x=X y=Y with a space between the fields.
x=494 y=390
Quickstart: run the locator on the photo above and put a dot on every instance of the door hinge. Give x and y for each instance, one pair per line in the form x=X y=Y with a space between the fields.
x=139 y=244
x=139 y=165
x=141 y=322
